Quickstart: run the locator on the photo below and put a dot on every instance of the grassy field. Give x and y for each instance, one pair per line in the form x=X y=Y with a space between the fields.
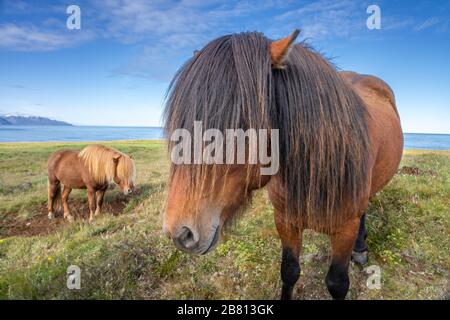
x=124 y=255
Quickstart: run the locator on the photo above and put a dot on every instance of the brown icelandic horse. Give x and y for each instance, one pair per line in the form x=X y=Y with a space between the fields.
x=92 y=168
x=340 y=142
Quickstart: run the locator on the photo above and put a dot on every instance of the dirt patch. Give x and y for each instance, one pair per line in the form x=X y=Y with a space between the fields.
x=37 y=225
x=40 y=225
x=414 y=171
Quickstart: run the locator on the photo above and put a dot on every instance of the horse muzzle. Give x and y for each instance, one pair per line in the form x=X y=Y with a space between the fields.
x=127 y=191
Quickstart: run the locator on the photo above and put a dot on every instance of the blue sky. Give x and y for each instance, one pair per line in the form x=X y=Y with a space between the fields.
x=115 y=70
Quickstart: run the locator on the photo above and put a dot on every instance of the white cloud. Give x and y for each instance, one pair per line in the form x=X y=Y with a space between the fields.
x=325 y=18
x=428 y=23
x=169 y=32
x=31 y=38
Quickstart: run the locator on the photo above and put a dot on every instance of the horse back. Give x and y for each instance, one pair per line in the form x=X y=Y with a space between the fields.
x=386 y=136
x=65 y=166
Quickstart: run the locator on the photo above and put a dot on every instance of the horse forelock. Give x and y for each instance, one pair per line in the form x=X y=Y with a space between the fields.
x=126 y=169
x=225 y=85
x=322 y=123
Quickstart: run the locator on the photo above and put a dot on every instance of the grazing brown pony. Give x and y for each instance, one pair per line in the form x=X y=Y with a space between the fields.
x=340 y=142
x=92 y=168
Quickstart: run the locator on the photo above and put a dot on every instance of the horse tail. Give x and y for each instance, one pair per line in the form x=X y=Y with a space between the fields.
x=57 y=196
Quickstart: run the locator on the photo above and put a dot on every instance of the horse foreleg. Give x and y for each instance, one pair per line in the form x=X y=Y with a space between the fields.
x=342 y=242
x=91 y=200
x=291 y=241
x=99 y=198
x=360 y=253
x=65 y=197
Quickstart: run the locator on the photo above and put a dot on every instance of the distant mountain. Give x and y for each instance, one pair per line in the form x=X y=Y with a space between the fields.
x=30 y=121
x=4 y=122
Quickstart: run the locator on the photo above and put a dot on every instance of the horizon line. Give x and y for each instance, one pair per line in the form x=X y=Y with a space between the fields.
x=161 y=127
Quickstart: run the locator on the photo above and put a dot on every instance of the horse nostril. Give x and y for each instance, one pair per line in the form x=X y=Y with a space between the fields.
x=187 y=239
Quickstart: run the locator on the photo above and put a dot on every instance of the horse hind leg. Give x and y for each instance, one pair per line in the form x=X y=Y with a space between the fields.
x=54 y=192
x=342 y=242
x=360 y=252
x=65 y=197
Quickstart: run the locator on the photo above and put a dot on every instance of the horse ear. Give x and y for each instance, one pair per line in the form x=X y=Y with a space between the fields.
x=279 y=49
x=116 y=157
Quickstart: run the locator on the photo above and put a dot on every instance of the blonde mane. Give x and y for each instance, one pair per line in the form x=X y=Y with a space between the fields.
x=101 y=165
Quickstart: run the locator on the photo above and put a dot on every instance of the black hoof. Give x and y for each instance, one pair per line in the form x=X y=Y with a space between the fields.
x=360 y=258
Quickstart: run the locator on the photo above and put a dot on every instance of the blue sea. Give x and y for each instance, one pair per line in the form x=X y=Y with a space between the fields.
x=77 y=133
x=94 y=133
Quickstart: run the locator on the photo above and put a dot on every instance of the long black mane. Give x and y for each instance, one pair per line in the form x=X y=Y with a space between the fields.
x=324 y=141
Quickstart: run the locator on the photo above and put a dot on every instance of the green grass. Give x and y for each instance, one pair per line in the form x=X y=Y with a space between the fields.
x=127 y=256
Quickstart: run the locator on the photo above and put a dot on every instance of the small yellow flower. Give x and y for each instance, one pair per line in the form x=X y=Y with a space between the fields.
x=1 y=241
x=49 y=259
